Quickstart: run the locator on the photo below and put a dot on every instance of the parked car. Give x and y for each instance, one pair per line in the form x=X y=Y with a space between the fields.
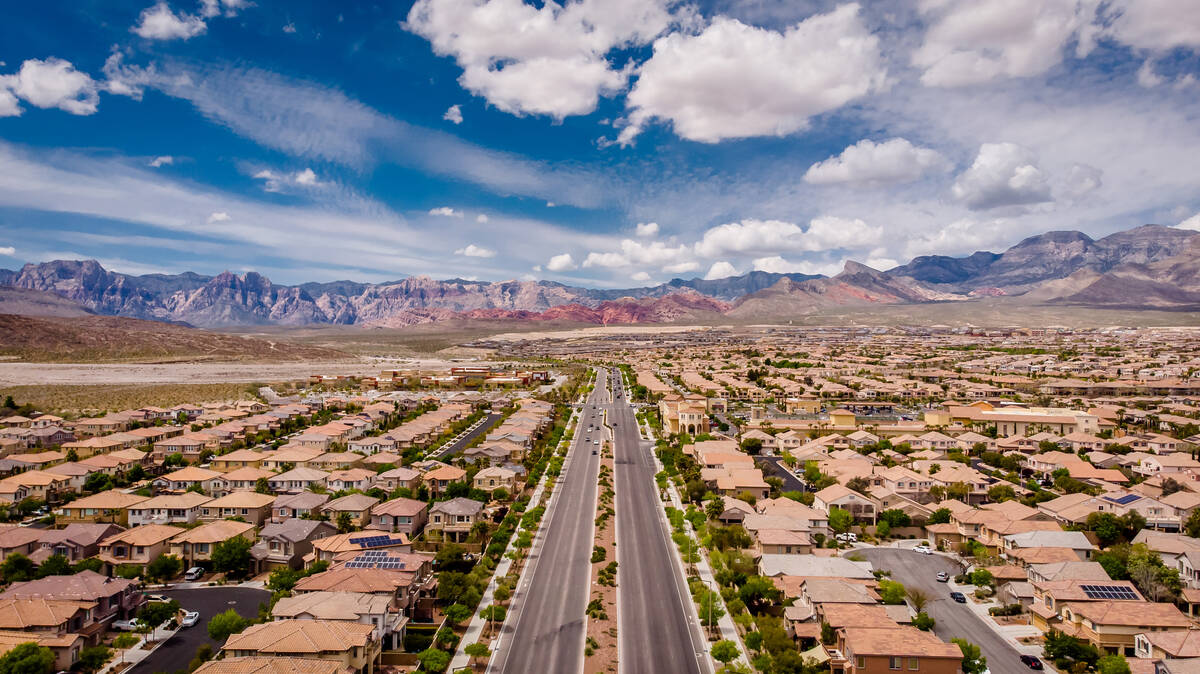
x=923 y=549
x=1031 y=661
x=943 y=577
x=958 y=597
x=848 y=538
x=125 y=625
x=158 y=597
x=190 y=618
x=194 y=573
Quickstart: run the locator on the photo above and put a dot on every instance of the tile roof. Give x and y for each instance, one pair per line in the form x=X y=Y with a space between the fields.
x=301 y=636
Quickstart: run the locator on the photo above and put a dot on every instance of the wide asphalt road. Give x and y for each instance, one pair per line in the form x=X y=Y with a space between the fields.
x=545 y=630
x=954 y=620
x=175 y=655
x=658 y=630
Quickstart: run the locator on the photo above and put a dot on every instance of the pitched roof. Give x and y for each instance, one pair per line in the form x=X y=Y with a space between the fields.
x=214 y=532
x=107 y=500
x=86 y=586
x=301 y=636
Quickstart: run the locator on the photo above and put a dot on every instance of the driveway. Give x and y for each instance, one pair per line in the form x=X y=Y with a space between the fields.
x=175 y=655
x=777 y=468
x=953 y=619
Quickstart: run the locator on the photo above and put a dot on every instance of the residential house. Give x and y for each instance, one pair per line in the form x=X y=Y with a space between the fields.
x=75 y=542
x=400 y=515
x=297 y=480
x=494 y=477
x=113 y=597
x=870 y=650
x=353 y=478
x=304 y=504
x=357 y=506
x=250 y=506
x=196 y=545
x=357 y=607
x=186 y=478
x=169 y=509
x=106 y=507
x=396 y=478
x=454 y=518
x=285 y=544
x=349 y=644
x=861 y=507
x=440 y=478
x=137 y=546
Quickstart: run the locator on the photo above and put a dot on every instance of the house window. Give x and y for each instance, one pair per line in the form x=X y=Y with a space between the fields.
x=860 y=662
x=894 y=662
x=914 y=664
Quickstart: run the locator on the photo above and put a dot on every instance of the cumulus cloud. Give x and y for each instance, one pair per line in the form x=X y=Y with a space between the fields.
x=776 y=264
x=453 y=114
x=1081 y=181
x=640 y=276
x=306 y=177
x=974 y=42
x=1003 y=174
x=160 y=23
x=211 y=8
x=681 y=268
x=1157 y=25
x=867 y=162
x=647 y=229
x=218 y=216
x=735 y=81
x=720 y=269
x=52 y=83
x=547 y=60
x=636 y=253
x=445 y=211
x=1191 y=223
x=277 y=182
x=8 y=250
x=1146 y=75
x=562 y=262
x=482 y=218
x=162 y=160
x=471 y=250
x=772 y=236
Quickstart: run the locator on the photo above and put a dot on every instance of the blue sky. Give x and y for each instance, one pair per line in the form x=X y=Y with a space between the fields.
x=597 y=142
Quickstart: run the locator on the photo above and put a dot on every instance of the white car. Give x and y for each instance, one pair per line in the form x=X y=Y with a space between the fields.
x=125 y=625
x=923 y=549
x=194 y=573
x=848 y=538
x=190 y=618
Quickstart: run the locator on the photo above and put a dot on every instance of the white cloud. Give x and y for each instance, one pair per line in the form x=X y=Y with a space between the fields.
x=1191 y=223
x=777 y=265
x=1003 y=174
x=445 y=211
x=982 y=40
x=563 y=262
x=453 y=114
x=218 y=216
x=162 y=160
x=867 y=162
x=1146 y=75
x=640 y=277
x=482 y=218
x=772 y=236
x=647 y=229
x=306 y=177
x=8 y=250
x=160 y=23
x=52 y=83
x=1158 y=25
x=289 y=28
x=736 y=81
x=279 y=182
x=681 y=268
x=1082 y=180
x=211 y=8
x=636 y=253
x=720 y=269
x=471 y=250
x=547 y=60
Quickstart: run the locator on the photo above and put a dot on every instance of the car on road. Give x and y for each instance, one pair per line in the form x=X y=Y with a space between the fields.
x=194 y=573
x=125 y=625
x=943 y=577
x=190 y=618
x=923 y=549
x=848 y=538
x=595 y=442
x=958 y=597
x=158 y=597
x=1031 y=661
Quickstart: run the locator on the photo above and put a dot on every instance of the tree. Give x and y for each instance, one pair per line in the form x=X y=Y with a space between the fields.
x=942 y=516
x=1112 y=664
x=883 y=529
x=94 y=657
x=344 y=523
x=1169 y=486
x=164 y=567
x=97 y=482
x=55 y=565
x=232 y=557
x=1002 y=492
x=891 y=592
x=726 y=651
x=433 y=659
x=758 y=589
x=918 y=598
x=1154 y=578
x=17 y=568
x=840 y=520
x=456 y=613
x=156 y=613
x=223 y=624
x=477 y=650
x=982 y=578
x=973 y=661
x=923 y=622
x=895 y=517
x=752 y=446
x=27 y=658
x=858 y=484
x=715 y=507
x=261 y=486
x=1106 y=526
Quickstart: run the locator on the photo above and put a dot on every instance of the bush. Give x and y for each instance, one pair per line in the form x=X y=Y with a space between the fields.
x=1010 y=610
x=224 y=624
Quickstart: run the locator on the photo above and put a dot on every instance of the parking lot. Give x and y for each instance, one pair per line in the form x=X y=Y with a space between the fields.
x=175 y=655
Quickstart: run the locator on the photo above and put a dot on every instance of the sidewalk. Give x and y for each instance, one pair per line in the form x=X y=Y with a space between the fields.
x=136 y=654
x=475 y=627
x=1009 y=633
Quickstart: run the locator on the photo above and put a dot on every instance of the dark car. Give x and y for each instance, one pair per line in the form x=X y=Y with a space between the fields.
x=1031 y=662
x=958 y=597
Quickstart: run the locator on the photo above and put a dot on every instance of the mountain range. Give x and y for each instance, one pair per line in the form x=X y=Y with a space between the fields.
x=1146 y=267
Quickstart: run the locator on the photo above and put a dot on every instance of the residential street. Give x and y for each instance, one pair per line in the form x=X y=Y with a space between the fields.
x=457 y=446
x=175 y=655
x=658 y=630
x=773 y=466
x=914 y=569
x=545 y=631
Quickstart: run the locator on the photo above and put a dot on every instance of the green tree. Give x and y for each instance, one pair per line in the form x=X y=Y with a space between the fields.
x=939 y=516
x=345 y=524
x=752 y=446
x=433 y=660
x=232 y=557
x=156 y=613
x=55 y=565
x=261 y=486
x=1106 y=526
x=223 y=624
x=891 y=592
x=982 y=578
x=758 y=590
x=97 y=482
x=715 y=507
x=17 y=568
x=93 y=658
x=164 y=567
x=1192 y=526
x=1002 y=492
x=1112 y=664
x=477 y=650
x=923 y=622
x=973 y=661
x=456 y=613
x=895 y=518
x=725 y=652
x=840 y=520
x=89 y=564
x=27 y=658
x=883 y=529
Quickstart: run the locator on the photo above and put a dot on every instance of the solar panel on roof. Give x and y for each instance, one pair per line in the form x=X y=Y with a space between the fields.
x=1109 y=592
x=1123 y=500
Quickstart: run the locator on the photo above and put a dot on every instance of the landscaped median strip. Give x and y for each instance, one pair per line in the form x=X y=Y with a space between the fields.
x=601 y=648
